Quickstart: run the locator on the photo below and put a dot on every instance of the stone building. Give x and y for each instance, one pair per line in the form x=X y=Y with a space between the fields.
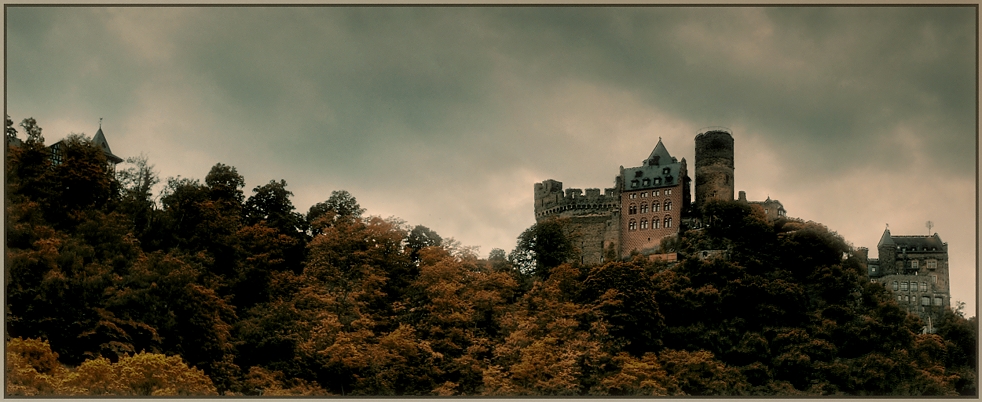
x=648 y=202
x=915 y=268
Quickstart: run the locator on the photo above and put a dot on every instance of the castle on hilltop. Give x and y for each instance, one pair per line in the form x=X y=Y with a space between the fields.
x=915 y=268
x=647 y=203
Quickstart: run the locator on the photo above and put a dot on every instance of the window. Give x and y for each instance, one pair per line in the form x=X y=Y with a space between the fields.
x=913 y=286
x=895 y=286
x=668 y=221
x=632 y=225
x=668 y=191
x=937 y=300
x=644 y=208
x=932 y=264
x=644 y=224
x=654 y=206
x=924 y=286
x=658 y=192
x=666 y=171
x=654 y=223
x=644 y=194
x=925 y=301
x=906 y=299
x=657 y=181
x=646 y=182
x=634 y=195
x=668 y=205
x=904 y=286
x=632 y=209
x=913 y=264
x=899 y=298
x=934 y=278
x=634 y=183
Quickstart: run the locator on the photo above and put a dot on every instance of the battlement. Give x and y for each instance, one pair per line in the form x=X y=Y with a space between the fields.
x=551 y=199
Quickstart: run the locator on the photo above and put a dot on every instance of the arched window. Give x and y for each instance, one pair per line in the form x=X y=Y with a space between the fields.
x=633 y=209
x=654 y=223
x=654 y=206
x=644 y=208
x=668 y=205
x=632 y=225
x=668 y=221
x=644 y=223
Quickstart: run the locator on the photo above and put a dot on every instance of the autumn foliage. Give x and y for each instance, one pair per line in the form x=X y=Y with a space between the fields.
x=203 y=290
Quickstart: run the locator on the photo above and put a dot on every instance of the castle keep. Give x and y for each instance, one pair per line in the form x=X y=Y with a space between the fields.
x=647 y=203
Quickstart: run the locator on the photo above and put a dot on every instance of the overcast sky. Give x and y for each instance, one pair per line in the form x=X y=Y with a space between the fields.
x=446 y=116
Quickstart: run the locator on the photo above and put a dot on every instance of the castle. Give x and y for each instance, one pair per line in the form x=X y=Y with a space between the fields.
x=647 y=203
x=915 y=268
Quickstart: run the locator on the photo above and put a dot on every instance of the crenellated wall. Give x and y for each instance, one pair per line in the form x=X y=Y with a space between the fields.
x=552 y=200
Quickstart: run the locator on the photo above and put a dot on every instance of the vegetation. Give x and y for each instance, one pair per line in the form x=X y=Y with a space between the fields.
x=202 y=290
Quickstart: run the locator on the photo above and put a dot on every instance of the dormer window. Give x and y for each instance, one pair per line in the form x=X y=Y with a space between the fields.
x=638 y=174
x=645 y=182
x=634 y=183
x=669 y=179
x=657 y=181
x=666 y=171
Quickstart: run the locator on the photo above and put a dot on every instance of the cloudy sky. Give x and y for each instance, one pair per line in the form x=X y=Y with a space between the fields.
x=446 y=116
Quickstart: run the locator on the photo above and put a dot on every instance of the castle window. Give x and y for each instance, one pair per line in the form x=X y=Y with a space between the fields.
x=646 y=182
x=668 y=221
x=904 y=286
x=925 y=301
x=668 y=205
x=654 y=223
x=895 y=286
x=666 y=170
x=644 y=207
x=632 y=225
x=906 y=299
x=913 y=287
x=634 y=195
x=937 y=300
x=913 y=264
x=644 y=224
x=634 y=183
x=658 y=192
x=657 y=181
x=669 y=179
x=932 y=264
x=934 y=278
x=899 y=298
x=644 y=194
x=632 y=209
x=668 y=191
x=924 y=286
x=654 y=206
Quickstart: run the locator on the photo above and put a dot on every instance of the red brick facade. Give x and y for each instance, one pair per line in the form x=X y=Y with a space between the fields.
x=643 y=225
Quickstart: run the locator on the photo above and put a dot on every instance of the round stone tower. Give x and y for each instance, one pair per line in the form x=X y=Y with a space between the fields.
x=714 y=165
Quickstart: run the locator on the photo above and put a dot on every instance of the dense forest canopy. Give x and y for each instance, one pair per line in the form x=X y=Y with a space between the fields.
x=207 y=289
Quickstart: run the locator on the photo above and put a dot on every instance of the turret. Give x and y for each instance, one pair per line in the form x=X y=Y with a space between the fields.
x=714 y=166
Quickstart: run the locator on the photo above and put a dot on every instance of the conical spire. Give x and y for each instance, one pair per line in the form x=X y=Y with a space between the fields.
x=659 y=155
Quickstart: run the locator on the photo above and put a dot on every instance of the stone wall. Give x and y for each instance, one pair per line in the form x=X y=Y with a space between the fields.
x=714 y=166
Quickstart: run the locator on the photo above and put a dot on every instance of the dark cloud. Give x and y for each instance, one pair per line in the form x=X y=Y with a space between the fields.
x=446 y=116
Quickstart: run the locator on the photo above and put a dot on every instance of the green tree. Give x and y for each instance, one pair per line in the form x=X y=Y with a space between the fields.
x=543 y=246
x=341 y=206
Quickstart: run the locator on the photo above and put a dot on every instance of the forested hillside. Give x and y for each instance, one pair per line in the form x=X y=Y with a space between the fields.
x=205 y=289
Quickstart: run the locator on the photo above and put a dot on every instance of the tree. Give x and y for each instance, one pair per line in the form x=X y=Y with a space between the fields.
x=271 y=203
x=32 y=130
x=543 y=246
x=11 y=131
x=341 y=206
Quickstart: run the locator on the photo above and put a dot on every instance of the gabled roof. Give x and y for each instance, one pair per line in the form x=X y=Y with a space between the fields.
x=919 y=243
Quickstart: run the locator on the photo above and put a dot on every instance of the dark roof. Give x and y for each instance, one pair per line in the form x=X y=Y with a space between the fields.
x=914 y=243
x=100 y=141
x=654 y=168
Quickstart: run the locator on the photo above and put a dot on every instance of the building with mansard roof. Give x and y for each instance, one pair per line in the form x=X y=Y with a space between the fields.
x=915 y=268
